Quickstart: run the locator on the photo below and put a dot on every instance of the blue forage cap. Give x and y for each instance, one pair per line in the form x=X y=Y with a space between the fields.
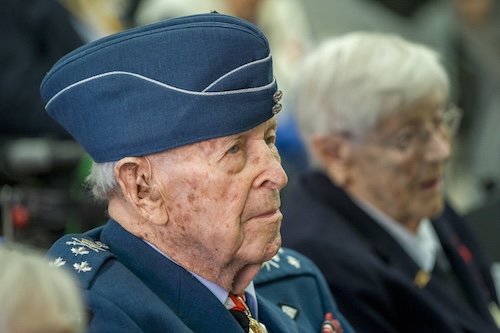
x=164 y=85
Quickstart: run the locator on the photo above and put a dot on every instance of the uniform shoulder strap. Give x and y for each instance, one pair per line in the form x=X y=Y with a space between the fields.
x=284 y=264
x=82 y=254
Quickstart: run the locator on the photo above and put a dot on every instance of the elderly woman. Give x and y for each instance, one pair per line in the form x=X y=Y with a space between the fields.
x=373 y=111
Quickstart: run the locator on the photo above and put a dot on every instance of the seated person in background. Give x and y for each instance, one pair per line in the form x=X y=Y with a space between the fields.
x=179 y=118
x=37 y=298
x=34 y=34
x=373 y=217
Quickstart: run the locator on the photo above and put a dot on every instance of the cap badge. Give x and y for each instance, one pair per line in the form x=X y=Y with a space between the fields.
x=277 y=96
x=277 y=108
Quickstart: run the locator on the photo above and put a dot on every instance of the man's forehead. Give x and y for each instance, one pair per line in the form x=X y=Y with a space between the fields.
x=211 y=145
x=221 y=141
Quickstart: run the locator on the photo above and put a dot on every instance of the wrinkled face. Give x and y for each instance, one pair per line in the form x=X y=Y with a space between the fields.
x=399 y=166
x=222 y=196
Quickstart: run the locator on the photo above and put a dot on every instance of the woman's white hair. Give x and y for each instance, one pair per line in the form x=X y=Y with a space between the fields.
x=348 y=83
x=35 y=296
x=101 y=180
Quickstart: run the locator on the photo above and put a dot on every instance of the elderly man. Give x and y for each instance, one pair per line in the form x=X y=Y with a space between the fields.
x=179 y=117
x=372 y=109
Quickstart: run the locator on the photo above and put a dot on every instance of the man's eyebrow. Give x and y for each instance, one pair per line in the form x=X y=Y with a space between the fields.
x=273 y=124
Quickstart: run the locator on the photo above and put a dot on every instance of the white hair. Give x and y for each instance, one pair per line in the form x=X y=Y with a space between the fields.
x=348 y=83
x=37 y=298
x=101 y=180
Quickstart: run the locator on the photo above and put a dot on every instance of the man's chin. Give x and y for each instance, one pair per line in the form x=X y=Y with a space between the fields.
x=272 y=249
x=257 y=255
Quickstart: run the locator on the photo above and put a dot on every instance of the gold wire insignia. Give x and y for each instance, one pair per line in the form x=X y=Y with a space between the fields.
x=94 y=246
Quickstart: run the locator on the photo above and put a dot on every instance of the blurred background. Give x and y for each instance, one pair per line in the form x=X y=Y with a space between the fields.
x=42 y=170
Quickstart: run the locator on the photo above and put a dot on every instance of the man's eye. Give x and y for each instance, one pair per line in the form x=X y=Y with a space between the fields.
x=271 y=140
x=234 y=149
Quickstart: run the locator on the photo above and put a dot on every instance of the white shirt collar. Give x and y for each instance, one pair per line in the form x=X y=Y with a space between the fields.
x=422 y=247
x=222 y=294
x=218 y=291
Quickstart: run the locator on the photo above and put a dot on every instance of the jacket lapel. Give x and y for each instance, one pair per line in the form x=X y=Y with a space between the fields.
x=386 y=246
x=175 y=286
x=462 y=262
x=392 y=253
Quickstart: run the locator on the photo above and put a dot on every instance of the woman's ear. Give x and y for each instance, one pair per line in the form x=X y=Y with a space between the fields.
x=333 y=152
x=134 y=176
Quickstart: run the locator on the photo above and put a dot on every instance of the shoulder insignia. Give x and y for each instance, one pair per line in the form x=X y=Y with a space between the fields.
x=81 y=254
x=83 y=243
x=275 y=261
x=285 y=263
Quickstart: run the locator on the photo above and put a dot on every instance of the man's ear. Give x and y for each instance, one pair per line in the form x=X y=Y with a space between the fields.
x=134 y=176
x=334 y=154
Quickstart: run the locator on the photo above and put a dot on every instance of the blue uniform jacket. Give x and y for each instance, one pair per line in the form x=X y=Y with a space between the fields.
x=377 y=286
x=130 y=287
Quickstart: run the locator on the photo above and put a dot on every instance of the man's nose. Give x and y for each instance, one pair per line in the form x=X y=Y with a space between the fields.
x=273 y=174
